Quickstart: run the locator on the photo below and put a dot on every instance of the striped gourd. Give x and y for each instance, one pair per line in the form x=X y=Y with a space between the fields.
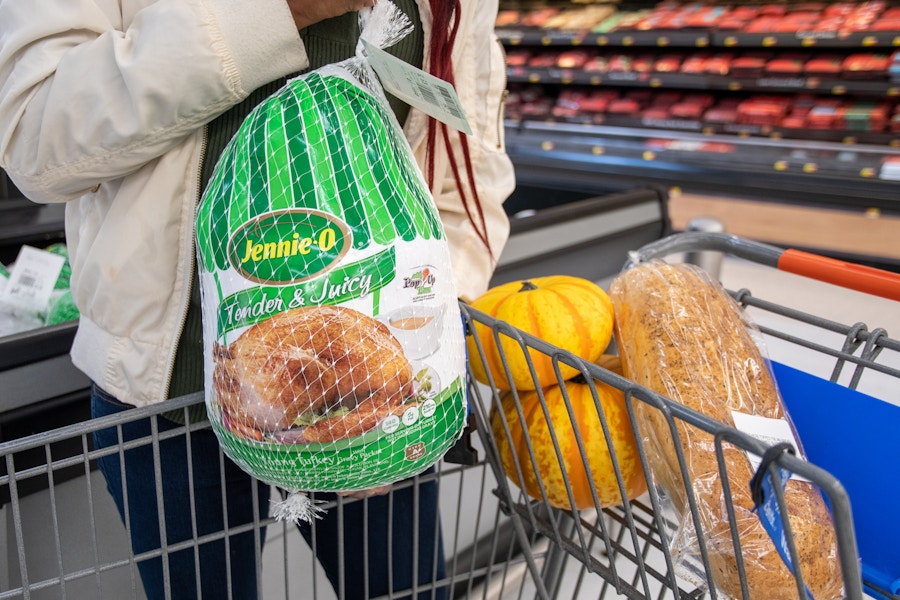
x=568 y=312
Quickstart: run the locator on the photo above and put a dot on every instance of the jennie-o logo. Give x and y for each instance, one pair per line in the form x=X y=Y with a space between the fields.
x=421 y=280
x=288 y=246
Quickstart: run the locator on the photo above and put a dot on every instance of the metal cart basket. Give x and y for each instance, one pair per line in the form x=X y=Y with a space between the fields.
x=63 y=539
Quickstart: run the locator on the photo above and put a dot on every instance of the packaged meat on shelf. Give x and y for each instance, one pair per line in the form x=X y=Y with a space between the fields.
x=789 y=73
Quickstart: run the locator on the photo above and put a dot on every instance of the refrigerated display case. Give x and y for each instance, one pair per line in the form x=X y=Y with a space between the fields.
x=817 y=173
x=789 y=101
x=24 y=222
x=39 y=387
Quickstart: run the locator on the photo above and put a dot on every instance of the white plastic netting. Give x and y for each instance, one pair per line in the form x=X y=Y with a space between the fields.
x=335 y=356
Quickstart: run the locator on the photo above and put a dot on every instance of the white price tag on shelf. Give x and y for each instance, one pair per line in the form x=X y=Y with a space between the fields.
x=31 y=280
x=433 y=96
x=890 y=169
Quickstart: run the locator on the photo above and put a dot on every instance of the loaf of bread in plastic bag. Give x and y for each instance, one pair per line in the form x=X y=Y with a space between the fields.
x=682 y=335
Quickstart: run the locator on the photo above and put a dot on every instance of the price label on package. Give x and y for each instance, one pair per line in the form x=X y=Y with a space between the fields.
x=768 y=431
x=31 y=280
x=435 y=97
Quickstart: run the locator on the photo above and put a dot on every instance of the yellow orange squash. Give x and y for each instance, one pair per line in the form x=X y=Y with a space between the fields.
x=587 y=421
x=565 y=311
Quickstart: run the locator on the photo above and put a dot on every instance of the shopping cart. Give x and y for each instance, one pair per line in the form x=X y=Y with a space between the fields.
x=628 y=548
x=63 y=539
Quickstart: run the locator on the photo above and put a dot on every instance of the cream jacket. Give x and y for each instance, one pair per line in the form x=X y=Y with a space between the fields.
x=103 y=106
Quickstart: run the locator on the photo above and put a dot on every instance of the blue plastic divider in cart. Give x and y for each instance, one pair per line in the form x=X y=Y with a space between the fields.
x=853 y=436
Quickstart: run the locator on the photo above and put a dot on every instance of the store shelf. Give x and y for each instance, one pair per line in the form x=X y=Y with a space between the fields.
x=538 y=37
x=847 y=138
x=807 y=39
x=792 y=171
x=35 y=367
x=701 y=39
x=36 y=345
x=686 y=81
x=713 y=98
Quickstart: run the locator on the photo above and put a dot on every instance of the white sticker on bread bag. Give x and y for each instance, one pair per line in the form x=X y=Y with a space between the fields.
x=769 y=432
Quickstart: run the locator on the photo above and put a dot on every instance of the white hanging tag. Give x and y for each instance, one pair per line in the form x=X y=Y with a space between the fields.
x=768 y=431
x=31 y=280
x=433 y=96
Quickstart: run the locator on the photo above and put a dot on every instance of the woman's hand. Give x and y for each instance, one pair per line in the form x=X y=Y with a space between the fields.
x=308 y=12
x=376 y=491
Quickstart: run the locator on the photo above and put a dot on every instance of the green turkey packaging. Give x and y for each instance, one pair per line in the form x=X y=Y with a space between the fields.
x=335 y=356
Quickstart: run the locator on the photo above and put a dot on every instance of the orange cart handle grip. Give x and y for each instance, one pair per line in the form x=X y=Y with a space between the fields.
x=852 y=276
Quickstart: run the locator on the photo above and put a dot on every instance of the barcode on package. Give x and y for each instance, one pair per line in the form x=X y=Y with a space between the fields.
x=450 y=104
x=435 y=97
x=426 y=92
x=445 y=98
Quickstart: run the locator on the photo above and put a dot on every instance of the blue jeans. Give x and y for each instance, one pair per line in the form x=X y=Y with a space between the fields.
x=372 y=560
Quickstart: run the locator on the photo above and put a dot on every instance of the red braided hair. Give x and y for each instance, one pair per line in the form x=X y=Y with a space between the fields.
x=446 y=15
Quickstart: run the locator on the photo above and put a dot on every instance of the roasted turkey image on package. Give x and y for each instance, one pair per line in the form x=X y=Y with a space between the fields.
x=312 y=374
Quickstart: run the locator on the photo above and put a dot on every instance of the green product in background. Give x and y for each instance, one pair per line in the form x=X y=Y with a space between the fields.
x=62 y=309
x=62 y=282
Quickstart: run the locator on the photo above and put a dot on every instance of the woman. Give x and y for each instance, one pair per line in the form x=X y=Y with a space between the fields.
x=120 y=109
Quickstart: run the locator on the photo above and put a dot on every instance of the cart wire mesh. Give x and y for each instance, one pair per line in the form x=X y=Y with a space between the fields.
x=499 y=542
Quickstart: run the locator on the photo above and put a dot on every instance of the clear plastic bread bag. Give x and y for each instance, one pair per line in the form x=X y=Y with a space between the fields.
x=334 y=350
x=683 y=336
